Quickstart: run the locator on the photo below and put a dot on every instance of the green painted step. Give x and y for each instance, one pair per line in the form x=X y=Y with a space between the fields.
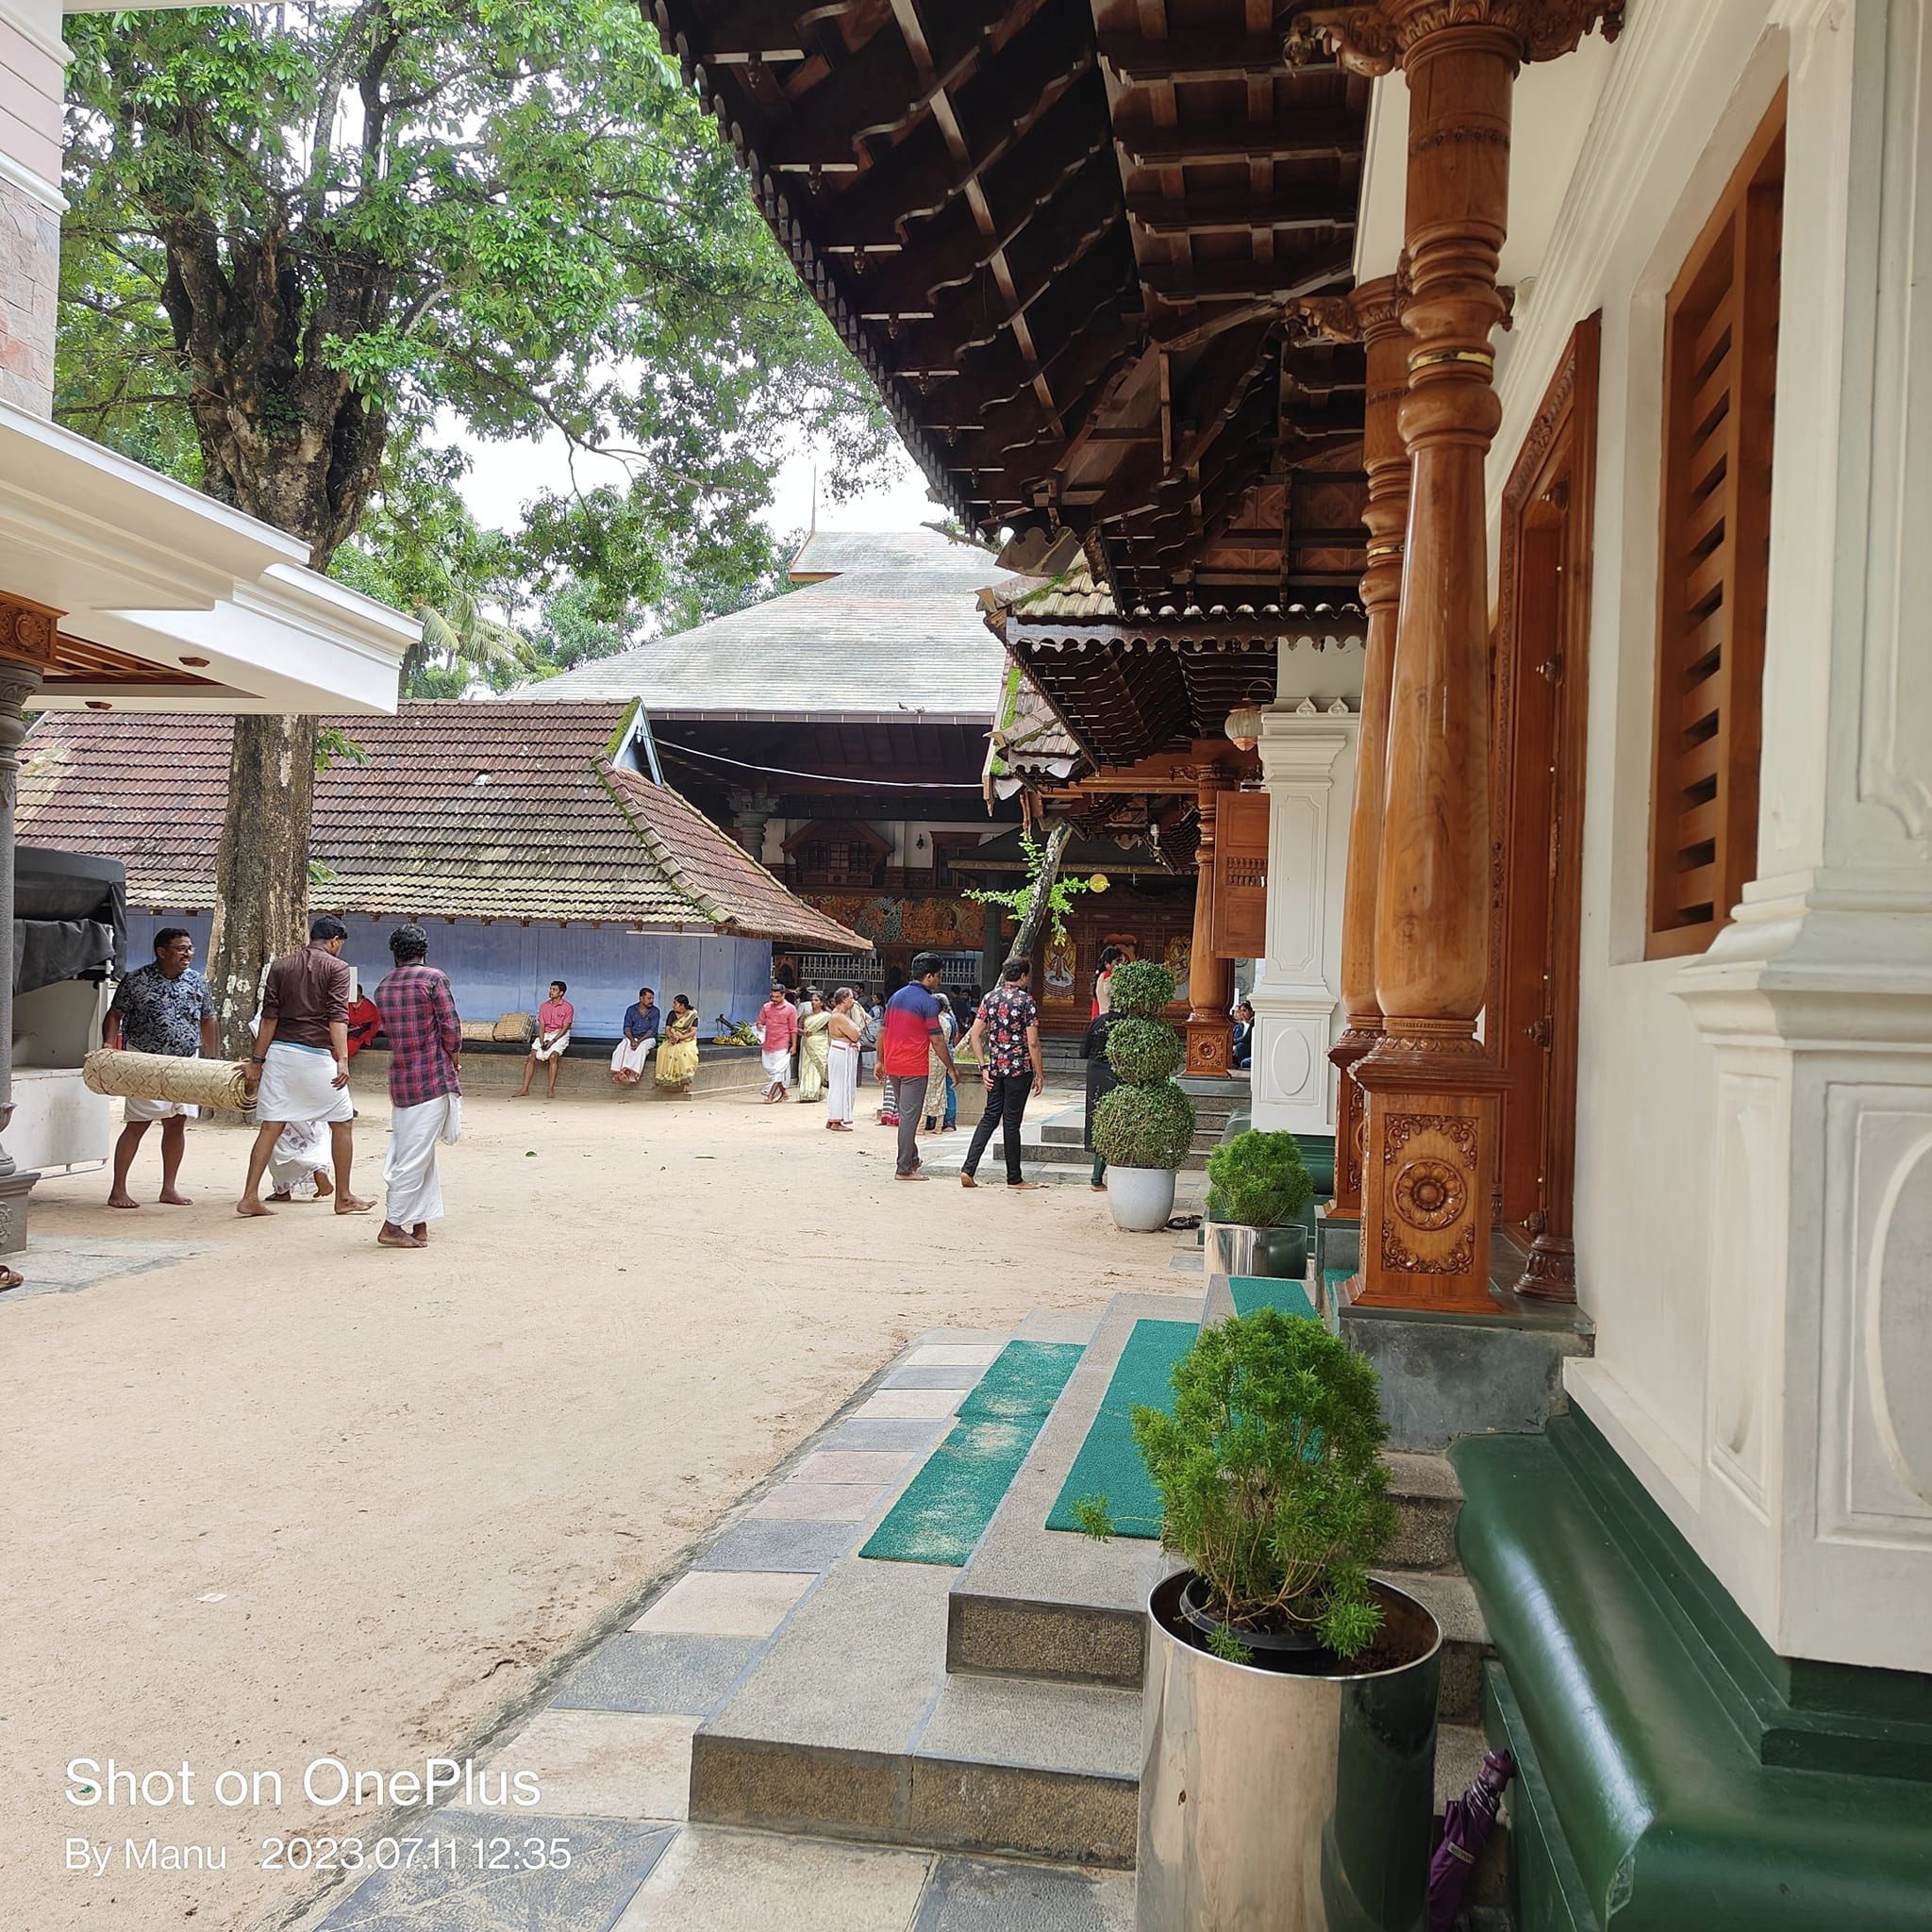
x=944 y=1510
x=1649 y=1811
x=1033 y=1602
x=1242 y=1294
x=1109 y=1464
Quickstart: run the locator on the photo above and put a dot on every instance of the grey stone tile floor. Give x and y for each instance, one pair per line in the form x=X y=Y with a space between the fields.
x=62 y=1264
x=646 y=1670
x=612 y=1751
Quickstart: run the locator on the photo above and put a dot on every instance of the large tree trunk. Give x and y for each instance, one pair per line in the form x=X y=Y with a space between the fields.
x=261 y=868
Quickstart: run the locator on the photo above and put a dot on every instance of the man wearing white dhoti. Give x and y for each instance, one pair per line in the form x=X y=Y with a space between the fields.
x=301 y=1061
x=842 y=1066
x=426 y=1042
x=642 y=1024
x=555 y=1018
x=777 y=1028
x=300 y=1161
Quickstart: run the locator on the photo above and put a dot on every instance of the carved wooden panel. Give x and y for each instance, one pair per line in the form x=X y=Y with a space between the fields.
x=1240 y=876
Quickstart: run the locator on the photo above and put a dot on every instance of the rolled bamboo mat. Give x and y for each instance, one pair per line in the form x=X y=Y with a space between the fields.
x=161 y=1077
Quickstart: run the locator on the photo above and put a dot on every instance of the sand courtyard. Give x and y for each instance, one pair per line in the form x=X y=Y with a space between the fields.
x=281 y=1495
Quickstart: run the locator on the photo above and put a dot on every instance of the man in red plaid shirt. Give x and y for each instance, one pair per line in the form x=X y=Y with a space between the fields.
x=426 y=1047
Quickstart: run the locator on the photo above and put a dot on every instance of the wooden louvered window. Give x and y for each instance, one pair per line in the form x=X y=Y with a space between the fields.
x=1720 y=386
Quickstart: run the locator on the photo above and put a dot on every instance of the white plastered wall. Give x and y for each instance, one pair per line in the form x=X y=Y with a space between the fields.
x=1754 y=1185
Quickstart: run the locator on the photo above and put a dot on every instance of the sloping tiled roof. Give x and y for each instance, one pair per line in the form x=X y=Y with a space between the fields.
x=832 y=553
x=1074 y=602
x=495 y=811
x=894 y=634
x=1027 y=741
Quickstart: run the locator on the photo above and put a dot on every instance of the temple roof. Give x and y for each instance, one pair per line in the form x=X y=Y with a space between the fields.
x=447 y=809
x=898 y=629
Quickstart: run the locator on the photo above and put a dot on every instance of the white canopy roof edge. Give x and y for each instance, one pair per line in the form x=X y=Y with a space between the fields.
x=140 y=563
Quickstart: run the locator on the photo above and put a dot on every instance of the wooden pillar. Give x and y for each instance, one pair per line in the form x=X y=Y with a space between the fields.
x=1210 y=980
x=1385 y=456
x=1429 y=1150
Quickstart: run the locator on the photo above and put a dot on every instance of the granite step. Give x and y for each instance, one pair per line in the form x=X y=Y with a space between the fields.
x=850 y=1726
x=1033 y=1602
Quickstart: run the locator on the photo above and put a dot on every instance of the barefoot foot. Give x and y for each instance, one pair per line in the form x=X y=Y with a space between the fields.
x=250 y=1207
x=122 y=1198
x=352 y=1204
x=324 y=1185
x=390 y=1236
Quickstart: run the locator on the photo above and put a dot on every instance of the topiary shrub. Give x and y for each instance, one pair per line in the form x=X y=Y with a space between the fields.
x=1143 y=1052
x=1258 y=1179
x=1140 y=989
x=1272 y=1487
x=1144 y=1127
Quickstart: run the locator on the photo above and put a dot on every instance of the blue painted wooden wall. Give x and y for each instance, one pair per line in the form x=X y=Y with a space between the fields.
x=504 y=968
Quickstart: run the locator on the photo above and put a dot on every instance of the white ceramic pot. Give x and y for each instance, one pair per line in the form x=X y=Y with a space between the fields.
x=1142 y=1197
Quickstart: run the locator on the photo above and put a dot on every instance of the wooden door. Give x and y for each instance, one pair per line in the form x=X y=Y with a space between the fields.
x=1541 y=696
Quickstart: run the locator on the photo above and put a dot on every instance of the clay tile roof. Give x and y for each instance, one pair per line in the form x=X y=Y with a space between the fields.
x=503 y=811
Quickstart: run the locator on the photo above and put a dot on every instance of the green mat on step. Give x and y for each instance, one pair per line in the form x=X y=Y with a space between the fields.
x=1109 y=1462
x=946 y=1507
x=1252 y=1292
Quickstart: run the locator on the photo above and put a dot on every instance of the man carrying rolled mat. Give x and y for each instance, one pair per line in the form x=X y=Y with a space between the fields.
x=300 y=1065
x=164 y=1007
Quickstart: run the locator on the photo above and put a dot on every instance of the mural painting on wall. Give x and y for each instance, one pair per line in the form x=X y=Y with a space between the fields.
x=1058 y=972
x=946 y=924
x=1180 y=953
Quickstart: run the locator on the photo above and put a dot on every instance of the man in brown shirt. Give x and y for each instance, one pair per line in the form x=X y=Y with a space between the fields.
x=301 y=1059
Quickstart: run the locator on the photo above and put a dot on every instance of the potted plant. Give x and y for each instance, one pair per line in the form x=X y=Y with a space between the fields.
x=1258 y=1188
x=1145 y=1128
x=1291 y=1697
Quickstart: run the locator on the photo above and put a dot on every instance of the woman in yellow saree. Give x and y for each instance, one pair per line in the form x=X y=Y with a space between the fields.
x=814 y=1046
x=677 y=1052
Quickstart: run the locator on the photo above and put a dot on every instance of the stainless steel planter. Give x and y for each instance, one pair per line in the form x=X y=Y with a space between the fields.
x=1280 y=1804
x=1235 y=1248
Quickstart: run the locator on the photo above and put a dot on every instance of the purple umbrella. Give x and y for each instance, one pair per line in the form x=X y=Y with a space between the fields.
x=1467 y=1822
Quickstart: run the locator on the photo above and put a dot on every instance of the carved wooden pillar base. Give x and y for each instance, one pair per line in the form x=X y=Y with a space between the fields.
x=1428 y=1166
x=1211 y=1047
x=1549 y=1274
x=1351 y=1124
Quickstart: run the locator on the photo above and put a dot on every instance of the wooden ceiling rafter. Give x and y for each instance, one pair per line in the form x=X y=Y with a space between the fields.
x=1032 y=219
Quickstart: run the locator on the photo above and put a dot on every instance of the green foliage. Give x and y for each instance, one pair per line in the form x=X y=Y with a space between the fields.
x=1143 y=1126
x=1018 y=901
x=1090 y=1513
x=295 y=233
x=1143 y=1052
x=1271 y=1479
x=1258 y=1179
x=1142 y=988
x=334 y=746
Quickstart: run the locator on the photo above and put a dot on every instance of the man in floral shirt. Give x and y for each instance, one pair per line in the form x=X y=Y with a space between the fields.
x=164 y=1007
x=1007 y=1034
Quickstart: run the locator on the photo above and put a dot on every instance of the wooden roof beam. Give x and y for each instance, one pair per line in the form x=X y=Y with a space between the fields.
x=1327 y=135
x=1235 y=281
x=1197 y=54
x=994 y=114
x=1244 y=213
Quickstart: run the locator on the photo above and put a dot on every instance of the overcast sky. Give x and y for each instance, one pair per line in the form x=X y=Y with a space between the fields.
x=505 y=475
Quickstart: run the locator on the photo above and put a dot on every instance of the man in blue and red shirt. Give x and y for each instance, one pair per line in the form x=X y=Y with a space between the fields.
x=426 y=1047
x=909 y=1034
